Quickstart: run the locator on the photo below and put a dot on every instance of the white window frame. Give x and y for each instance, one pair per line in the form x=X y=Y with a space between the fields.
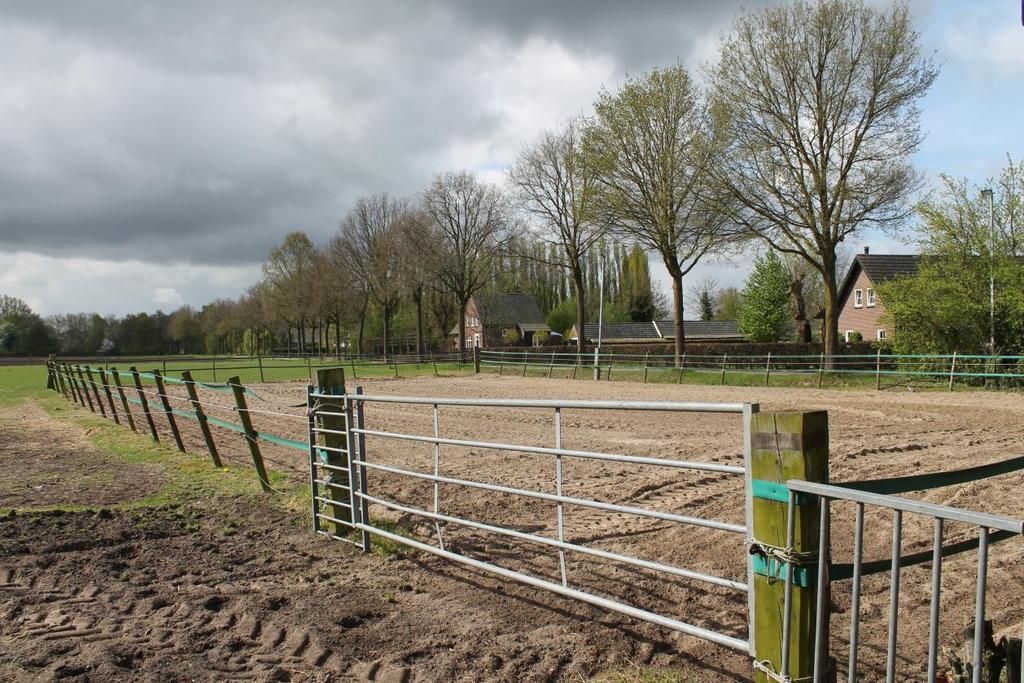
x=871 y=298
x=858 y=298
x=846 y=335
x=880 y=334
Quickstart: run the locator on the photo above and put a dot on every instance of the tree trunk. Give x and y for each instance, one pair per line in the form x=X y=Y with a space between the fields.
x=386 y=314
x=677 y=308
x=581 y=309
x=831 y=331
x=417 y=299
x=362 y=327
x=462 y=323
x=337 y=337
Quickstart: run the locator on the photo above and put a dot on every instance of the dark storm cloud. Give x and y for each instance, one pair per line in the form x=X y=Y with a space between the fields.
x=204 y=131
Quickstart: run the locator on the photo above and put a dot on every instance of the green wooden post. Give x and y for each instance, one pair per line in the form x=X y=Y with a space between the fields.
x=784 y=446
x=251 y=437
x=682 y=366
x=124 y=399
x=214 y=362
x=524 y=364
x=476 y=360
x=878 y=370
x=647 y=355
x=204 y=425
x=51 y=382
x=259 y=360
x=168 y=411
x=433 y=361
x=952 y=371
x=725 y=358
x=109 y=394
x=821 y=368
x=59 y=371
x=145 y=403
x=95 y=391
x=768 y=369
x=335 y=479
x=352 y=362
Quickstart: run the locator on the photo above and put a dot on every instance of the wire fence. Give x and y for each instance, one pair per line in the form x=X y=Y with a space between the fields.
x=883 y=369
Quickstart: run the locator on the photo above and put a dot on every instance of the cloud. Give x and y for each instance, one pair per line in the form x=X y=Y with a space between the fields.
x=986 y=41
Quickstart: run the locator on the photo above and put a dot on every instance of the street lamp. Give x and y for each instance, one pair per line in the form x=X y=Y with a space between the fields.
x=991 y=270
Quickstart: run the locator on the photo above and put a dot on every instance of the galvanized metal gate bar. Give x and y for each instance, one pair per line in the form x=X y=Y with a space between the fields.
x=361 y=463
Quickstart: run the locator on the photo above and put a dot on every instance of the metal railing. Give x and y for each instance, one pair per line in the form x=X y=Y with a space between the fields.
x=985 y=524
x=359 y=497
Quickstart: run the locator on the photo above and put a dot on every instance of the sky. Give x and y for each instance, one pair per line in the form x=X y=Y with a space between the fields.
x=152 y=153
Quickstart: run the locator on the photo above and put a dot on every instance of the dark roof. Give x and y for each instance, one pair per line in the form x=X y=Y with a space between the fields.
x=701 y=329
x=496 y=310
x=664 y=329
x=880 y=268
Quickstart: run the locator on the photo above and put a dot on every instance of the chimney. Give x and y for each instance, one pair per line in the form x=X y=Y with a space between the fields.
x=867 y=250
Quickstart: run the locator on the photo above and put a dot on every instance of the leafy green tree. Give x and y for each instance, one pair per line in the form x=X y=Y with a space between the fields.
x=730 y=304
x=635 y=293
x=563 y=316
x=765 y=316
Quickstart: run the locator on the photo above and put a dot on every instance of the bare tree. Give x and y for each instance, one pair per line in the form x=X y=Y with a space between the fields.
x=556 y=183
x=704 y=296
x=289 y=271
x=820 y=99
x=415 y=264
x=372 y=251
x=472 y=220
x=655 y=147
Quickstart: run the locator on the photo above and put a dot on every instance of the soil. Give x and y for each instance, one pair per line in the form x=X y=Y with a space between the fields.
x=431 y=620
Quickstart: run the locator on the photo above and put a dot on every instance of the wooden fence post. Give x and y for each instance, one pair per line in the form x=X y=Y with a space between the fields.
x=952 y=371
x=611 y=360
x=433 y=361
x=768 y=369
x=725 y=358
x=204 y=425
x=109 y=394
x=331 y=382
x=145 y=403
x=124 y=399
x=168 y=411
x=76 y=393
x=524 y=363
x=551 y=366
x=682 y=365
x=501 y=362
x=85 y=387
x=259 y=360
x=878 y=370
x=352 y=362
x=786 y=445
x=476 y=360
x=647 y=355
x=251 y=437
x=821 y=368
x=51 y=382
x=214 y=367
x=95 y=391
x=309 y=368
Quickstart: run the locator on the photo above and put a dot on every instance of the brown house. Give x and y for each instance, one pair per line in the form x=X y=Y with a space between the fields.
x=489 y=317
x=860 y=308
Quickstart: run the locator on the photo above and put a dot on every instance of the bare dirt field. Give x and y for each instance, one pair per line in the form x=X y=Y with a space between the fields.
x=217 y=590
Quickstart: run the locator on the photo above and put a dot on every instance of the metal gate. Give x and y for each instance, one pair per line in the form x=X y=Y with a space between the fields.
x=341 y=495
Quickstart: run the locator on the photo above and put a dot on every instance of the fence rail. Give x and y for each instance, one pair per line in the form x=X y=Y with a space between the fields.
x=944 y=369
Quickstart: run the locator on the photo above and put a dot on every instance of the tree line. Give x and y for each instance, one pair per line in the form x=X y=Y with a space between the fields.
x=802 y=136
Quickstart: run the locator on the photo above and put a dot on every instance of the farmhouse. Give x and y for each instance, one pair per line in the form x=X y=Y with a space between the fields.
x=489 y=317
x=660 y=330
x=860 y=308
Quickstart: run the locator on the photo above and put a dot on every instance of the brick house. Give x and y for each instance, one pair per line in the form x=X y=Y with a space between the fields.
x=860 y=308
x=490 y=316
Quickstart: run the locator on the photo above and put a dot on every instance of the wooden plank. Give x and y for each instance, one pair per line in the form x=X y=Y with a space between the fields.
x=85 y=388
x=145 y=403
x=204 y=425
x=331 y=381
x=95 y=391
x=124 y=399
x=792 y=445
x=109 y=394
x=251 y=437
x=166 y=403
